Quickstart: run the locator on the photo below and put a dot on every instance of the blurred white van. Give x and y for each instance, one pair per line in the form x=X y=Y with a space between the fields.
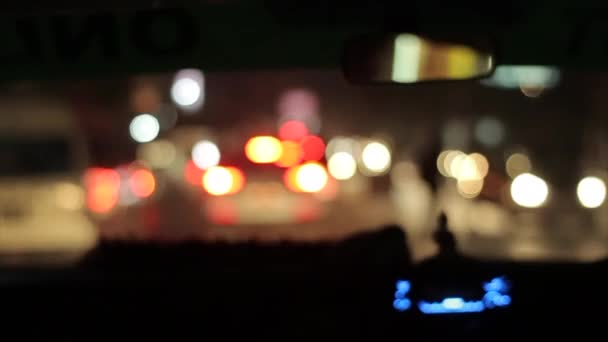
x=42 y=198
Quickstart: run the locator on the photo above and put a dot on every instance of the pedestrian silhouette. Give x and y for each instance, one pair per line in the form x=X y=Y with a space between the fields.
x=444 y=238
x=428 y=163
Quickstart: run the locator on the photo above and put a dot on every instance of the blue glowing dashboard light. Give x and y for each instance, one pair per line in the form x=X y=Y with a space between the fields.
x=496 y=295
x=401 y=302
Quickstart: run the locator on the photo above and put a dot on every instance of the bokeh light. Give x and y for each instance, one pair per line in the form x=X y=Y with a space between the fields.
x=188 y=89
x=342 y=166
x=126 y=196
x=340 y=144
x=102 y=187
x=455 y=165
x=441 y=163
x=291 y=154
x=205 y=154
x=311 y=177
x=470 y=188
x=290 y=179
x=219 y=180
x=591 y=192
x=376 y=157
x=192 y=173
x=159 y=154
x=185 y=91
x=238 y=180
x=144 y=128
x=489 y=131
x=293 y=130
x=517 y=164
x=313 y=148
x=263 y=149
x=446 y=161
x=528 y=190
x=466 y=169
x=142 y=183
x=481 y=162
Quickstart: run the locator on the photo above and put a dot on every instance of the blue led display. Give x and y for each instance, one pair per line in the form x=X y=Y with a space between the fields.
x=451 y=305
x=401 y=302
x=496 y=295
x=498 y=284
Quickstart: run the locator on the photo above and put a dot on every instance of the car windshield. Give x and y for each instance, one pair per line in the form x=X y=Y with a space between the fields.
x=30 y=156
x=517 y=163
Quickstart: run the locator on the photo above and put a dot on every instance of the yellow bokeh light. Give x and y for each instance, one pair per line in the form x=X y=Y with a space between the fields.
x=342 y=166
x=264 y=149
x=449 y=160
x=311 y=177
x=528 y=190
x=456 y=165
x=591 y=192
x=376 y=157
x=441 y=163
x=291 y=154
x=517 y=164
x=467 y=169
x=470 y=188
x=481 y=162
x=218 y=180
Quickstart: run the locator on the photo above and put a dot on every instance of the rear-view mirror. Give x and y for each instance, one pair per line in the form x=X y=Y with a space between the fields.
x=409 y=58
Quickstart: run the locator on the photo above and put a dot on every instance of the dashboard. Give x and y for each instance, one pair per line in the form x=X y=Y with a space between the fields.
x=187 y=292
x=494 y=295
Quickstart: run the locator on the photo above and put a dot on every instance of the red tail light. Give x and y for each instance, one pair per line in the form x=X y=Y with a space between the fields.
x=103 y=186
x=142 y=183
x=313 y=148
x=193 y=174
x=293 y=130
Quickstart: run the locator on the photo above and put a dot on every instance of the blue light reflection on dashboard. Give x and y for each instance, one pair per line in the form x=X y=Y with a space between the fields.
x=496 y=295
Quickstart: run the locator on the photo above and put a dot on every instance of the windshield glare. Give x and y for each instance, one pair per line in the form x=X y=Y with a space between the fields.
x=517 y=164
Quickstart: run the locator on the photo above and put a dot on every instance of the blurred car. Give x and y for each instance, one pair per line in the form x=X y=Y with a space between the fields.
x=117 y=194
x=267 y=180
x=42 y=198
